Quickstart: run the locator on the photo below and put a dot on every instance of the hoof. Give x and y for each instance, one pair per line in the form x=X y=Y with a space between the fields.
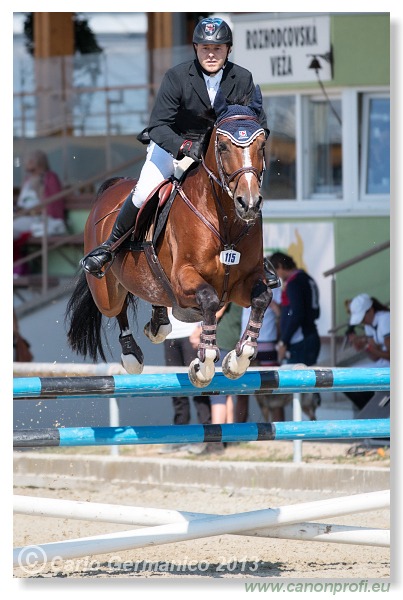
x=131 y=364
x=162 y=333
x=234 y=366
x=132 y=358
x=202 y=373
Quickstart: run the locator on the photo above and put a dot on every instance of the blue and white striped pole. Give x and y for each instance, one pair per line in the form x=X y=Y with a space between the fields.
x=270 y=381
x=184 y=434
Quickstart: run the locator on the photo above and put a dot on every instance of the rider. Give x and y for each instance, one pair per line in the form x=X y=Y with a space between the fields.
x=177 y=125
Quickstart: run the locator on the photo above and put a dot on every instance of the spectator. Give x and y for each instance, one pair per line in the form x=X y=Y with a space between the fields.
x=179 y=352
x=228 y=334
x=375 y=316
x=39 y=184
x=299 y=341
x=271 y=405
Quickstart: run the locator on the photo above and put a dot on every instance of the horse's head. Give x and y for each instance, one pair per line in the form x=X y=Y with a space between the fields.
x=239 y=149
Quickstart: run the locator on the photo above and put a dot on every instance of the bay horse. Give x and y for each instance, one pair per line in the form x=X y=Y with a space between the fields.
x=207 y=253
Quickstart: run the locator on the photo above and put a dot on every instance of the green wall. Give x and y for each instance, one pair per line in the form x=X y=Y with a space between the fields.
x=361 y=52
x=361 y=48
x=353 y=236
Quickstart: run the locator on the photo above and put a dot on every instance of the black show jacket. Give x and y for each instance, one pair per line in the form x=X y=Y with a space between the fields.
x=183 y=103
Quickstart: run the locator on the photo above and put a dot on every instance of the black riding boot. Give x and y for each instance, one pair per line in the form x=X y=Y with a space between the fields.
x=100 y=256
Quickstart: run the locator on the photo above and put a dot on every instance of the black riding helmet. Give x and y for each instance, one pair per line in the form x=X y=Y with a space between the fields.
x=212 y=30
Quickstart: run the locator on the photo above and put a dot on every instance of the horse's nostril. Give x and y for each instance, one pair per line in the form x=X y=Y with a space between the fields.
x=241 y=202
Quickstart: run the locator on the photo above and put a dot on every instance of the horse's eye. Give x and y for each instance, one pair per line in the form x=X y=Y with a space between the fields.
x=222 y=146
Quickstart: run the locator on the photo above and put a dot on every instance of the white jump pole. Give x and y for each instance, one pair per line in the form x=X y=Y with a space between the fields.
x=202 y=528
x=134 y=515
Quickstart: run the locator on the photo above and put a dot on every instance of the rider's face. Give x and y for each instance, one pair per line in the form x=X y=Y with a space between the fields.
x=211 y=56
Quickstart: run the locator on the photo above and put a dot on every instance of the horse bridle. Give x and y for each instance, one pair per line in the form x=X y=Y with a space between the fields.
x=223 y=182
x=225 y=178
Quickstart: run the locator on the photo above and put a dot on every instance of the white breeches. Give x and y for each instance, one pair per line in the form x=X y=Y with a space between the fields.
x=159 y=165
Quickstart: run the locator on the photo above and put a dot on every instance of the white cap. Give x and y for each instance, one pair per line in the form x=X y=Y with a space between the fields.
x=358 y=307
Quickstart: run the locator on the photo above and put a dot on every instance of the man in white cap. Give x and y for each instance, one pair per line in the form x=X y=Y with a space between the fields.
x=375 y=317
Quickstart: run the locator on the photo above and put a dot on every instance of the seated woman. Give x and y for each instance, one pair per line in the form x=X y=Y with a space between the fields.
x=39 y=184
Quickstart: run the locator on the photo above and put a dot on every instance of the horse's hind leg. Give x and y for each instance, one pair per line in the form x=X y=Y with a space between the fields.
x=159 y=326
x=237 y=361
x=132 y=358
x=202 y=369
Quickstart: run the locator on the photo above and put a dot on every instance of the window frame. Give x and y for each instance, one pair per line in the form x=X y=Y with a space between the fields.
x=366 y=101
x=307 y=159
x=352 y=202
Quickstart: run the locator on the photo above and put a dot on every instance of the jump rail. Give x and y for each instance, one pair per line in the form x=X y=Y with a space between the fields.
x=138 y=515
x=173 y=526
x=205 y=526
x=268 y=381
x=230 y=432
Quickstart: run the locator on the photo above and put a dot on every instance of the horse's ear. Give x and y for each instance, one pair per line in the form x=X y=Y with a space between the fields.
x=256 y=102
x=220 y=103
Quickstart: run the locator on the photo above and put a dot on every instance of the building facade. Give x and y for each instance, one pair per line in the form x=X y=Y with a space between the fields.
x=325 y=80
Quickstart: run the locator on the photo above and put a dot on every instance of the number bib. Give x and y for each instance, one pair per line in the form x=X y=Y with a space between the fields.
x=230 y=257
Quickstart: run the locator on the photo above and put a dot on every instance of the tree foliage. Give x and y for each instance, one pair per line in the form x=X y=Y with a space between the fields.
x=85 y=41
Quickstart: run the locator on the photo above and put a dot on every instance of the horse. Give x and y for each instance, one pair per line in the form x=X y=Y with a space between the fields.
x=204 y=252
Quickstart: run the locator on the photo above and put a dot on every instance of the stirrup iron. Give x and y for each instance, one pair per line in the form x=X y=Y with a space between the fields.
x=101 y=273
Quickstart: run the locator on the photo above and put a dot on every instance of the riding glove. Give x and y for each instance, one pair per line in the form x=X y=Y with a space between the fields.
x=191 y=148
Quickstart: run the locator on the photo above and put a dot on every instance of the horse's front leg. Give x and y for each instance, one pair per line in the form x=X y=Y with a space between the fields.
x=237 y=361
x=159 y=326
x=201 y=369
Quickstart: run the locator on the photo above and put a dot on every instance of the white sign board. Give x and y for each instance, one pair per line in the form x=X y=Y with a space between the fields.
x=311 y=245
x=280 y=51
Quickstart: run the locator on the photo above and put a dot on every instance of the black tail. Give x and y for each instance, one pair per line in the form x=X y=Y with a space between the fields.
x=84 y=322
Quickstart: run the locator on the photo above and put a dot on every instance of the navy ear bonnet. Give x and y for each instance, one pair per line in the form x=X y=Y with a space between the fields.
x=241 y=132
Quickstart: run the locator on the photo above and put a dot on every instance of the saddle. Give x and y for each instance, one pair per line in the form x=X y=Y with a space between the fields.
x=150 y=223
x=153 y=215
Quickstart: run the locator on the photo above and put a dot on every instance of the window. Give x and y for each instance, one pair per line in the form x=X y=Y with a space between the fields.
x=279 y=181
x=311 y=166
x=375 y=172
x=323 y=148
